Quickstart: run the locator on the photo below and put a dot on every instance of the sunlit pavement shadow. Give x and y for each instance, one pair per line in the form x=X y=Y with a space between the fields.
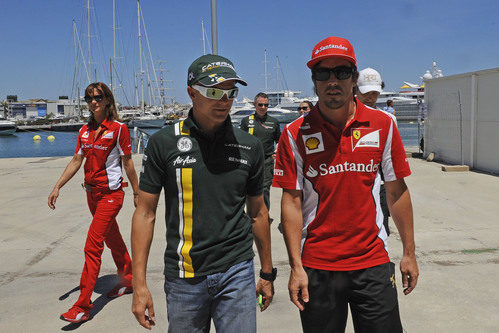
x=104 y=284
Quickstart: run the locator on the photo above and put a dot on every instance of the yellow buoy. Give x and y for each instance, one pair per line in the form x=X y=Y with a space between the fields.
x=51 y=138
x=37 y=138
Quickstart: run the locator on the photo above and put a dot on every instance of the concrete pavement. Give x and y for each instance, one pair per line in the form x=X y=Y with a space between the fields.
x=41 y=254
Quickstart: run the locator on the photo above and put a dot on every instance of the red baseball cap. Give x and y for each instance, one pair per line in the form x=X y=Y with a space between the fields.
x=332 y=47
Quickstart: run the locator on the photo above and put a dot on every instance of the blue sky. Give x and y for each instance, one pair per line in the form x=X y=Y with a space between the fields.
x=398 y=38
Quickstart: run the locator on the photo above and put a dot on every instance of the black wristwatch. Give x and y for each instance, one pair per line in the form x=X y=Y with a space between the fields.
x=269 y=276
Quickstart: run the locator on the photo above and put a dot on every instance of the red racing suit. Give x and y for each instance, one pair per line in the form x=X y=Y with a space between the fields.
x=103 y=180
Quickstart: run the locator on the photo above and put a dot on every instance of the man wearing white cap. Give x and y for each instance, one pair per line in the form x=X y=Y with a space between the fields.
x=328 y=164
x=369 y=86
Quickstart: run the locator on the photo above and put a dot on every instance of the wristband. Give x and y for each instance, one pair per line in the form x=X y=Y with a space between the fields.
x=269 y=276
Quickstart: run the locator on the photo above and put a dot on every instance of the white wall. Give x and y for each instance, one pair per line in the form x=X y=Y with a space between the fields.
x=469 y=137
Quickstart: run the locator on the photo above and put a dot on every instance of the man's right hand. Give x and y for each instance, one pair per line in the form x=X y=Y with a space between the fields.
x=142 y=300
x=298 y=287
x=53 y=197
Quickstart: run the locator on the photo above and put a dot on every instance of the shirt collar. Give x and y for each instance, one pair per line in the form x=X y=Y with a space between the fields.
x=261 y=118
x=359 y=116
x=106 y=123
x=190 y=124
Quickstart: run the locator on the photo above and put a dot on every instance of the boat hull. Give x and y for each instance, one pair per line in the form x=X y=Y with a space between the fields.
x=7 y=130
x=146 y=123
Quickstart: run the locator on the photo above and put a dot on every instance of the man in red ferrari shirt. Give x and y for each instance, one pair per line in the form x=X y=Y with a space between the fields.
x=329 y=165
x=105 y=143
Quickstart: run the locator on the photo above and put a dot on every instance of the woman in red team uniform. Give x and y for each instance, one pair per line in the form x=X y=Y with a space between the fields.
x=105 y=143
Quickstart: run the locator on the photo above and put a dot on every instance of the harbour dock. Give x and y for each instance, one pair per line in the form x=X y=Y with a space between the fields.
x=59 y=127
x=41 y=254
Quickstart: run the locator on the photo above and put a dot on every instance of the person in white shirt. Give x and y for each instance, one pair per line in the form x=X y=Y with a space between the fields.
x=369 y=87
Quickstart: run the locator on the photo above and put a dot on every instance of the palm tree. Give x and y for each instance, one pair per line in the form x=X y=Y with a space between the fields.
x=4 y=105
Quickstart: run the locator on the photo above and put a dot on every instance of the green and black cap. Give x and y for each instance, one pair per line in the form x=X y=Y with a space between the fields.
x=211 y=69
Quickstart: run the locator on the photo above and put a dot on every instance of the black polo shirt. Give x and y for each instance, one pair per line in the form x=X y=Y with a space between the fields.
x=206 y=182
x=265 y=128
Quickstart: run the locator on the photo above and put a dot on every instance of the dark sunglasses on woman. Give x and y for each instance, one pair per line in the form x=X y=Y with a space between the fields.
x=97 y=98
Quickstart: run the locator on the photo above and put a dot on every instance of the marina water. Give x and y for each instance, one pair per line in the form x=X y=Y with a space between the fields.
x=21 y=144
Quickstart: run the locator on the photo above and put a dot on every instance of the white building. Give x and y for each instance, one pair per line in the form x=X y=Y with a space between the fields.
x=462 y=123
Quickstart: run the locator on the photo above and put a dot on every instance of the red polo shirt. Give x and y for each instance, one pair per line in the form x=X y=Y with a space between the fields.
x=103 y=153
x=340 y=176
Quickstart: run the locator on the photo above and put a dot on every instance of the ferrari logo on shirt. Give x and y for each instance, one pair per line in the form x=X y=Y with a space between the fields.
x=365 y=137
x=313 y=143
x=85 y=135
x=108 y=135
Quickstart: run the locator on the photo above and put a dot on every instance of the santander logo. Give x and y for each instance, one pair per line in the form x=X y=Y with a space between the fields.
x=312 y=172
x=330 y=46
x=324 y=169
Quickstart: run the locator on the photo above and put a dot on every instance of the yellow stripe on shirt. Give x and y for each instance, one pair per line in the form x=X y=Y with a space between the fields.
x=251 y=130
x=182 y=130
x=187 y=212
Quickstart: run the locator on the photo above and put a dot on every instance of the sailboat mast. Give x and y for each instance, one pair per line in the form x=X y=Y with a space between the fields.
x=111 y=72
x=88 y=33
x=114 y=45
x=202 y=31
x=214 y=31
x=76 y=68
x=140 y=56
x=266 y=75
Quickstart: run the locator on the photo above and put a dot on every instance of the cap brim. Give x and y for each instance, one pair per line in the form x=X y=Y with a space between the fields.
x=208 y=82
x=314 y=61
x=366 y=89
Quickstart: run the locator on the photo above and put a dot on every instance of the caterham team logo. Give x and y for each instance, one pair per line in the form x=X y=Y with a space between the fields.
x=313 y=143
x=184 y=144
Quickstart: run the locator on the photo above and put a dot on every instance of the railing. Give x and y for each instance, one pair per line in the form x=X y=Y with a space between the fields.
x=140 y=139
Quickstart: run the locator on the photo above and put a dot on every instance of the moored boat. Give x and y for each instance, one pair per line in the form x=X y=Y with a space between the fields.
x=7 y=127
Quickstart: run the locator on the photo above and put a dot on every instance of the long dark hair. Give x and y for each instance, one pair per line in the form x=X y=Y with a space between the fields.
x=111 y=112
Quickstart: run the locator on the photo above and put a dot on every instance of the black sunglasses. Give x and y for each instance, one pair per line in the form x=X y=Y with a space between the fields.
x=340 y=72
x=263 y=104
x=97 y=98
x=304 y=108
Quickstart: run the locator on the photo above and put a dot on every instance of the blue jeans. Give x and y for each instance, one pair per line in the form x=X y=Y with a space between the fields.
x=229 y=298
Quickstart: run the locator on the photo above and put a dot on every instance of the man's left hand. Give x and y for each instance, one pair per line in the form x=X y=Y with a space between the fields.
x=266 y=289
x=410 y=272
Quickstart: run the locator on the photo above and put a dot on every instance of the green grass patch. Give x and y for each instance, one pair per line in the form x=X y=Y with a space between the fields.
x=476 y=251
